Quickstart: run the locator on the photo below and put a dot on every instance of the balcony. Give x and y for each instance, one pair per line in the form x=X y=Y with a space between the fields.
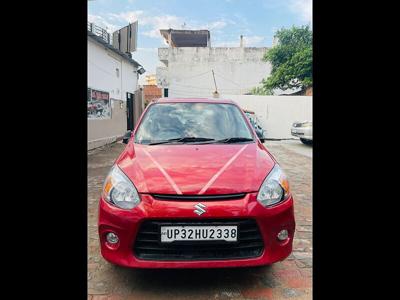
x=100 y=32
x=163 y=54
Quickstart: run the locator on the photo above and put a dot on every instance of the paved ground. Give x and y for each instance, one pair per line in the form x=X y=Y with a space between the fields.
x=293 y=145
x=289 y=279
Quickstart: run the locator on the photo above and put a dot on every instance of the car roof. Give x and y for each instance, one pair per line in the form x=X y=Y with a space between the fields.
x=193 y=100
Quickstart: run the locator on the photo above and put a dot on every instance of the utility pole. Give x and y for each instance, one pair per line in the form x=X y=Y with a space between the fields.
x=215 y=94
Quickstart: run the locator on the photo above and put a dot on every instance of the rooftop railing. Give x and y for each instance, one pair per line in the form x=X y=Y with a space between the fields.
x=100 y=32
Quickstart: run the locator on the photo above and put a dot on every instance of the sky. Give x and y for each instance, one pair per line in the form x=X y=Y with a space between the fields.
x=256 y=20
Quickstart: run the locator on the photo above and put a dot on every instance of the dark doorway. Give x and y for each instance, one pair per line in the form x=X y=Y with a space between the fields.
x=130 y=99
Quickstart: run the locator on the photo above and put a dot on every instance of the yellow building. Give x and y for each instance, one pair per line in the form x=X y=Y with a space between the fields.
x=151 y=79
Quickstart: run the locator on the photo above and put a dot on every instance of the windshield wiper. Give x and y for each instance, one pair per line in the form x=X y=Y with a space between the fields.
x=234 y=140
x=183 y=140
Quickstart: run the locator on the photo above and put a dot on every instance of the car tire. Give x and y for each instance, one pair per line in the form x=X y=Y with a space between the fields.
x=306 y=142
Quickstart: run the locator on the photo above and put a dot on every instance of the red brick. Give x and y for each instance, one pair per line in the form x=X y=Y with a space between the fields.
x=300 y=264
x=286 y=264
x=105 y=297
x=100 y=297
x=287 y=273
x=151 y=92
x=115 y=297
x=298 y=282
x=306 y=272
x=93 y=266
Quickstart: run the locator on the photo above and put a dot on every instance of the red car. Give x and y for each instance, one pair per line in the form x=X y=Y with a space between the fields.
x=195 y=188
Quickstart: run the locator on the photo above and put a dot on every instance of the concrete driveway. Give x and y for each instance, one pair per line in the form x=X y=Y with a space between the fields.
x=293 y=145
x=289 y=279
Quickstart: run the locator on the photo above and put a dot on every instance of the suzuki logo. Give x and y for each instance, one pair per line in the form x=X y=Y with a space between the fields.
x=200 y=209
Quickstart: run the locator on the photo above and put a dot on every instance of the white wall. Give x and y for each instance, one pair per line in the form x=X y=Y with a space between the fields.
x=102 y=63
x=188 y=70
x=129 y=79
x=276 y=113
x=101 y=132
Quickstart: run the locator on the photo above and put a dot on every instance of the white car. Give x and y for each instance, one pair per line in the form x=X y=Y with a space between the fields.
x=303 y=130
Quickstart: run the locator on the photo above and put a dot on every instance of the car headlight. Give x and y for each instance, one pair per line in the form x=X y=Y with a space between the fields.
x=274 y=189
x=119 y=190
x=306 y=124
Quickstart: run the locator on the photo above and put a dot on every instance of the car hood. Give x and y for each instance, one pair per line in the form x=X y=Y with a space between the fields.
x=196 y=169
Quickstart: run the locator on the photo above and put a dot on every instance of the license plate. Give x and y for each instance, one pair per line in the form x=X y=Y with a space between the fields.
x=199 y=233
x=297 y=132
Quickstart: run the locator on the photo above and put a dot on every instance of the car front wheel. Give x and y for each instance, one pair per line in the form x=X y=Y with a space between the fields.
x=306 y=142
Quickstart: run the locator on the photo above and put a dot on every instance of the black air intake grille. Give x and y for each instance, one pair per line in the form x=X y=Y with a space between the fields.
x=148 y=247
x=198 y=197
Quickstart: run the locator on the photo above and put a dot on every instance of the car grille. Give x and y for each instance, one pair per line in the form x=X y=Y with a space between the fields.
x=148 y=247
x=198 y=197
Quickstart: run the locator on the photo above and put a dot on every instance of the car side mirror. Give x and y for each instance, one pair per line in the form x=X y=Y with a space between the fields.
x=263 y=138
x=127 y=136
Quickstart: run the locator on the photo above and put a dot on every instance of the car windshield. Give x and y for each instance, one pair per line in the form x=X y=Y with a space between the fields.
x=192 y=122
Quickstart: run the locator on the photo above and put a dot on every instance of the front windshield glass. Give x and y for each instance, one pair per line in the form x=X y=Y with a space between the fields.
x=164 y=121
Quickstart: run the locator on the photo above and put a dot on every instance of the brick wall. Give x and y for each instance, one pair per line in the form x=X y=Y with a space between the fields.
x=151 y=92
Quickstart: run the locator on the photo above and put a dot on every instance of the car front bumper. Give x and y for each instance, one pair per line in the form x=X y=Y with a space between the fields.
x=302 y=132
x=126 y=224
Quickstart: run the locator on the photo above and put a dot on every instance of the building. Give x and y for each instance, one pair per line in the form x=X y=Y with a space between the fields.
x=151 y=79
x=151 y=92
x=195 y=69
x=112 y=89
x=186 y=38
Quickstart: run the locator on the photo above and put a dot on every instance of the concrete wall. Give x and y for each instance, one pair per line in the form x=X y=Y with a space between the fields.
x=102 y=75
x=187 y=71
x=276 y=113
x=101 y=132
x=102 y=65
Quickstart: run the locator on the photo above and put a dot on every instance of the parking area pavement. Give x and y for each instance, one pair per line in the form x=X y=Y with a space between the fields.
x=289 y=279
x=294 y=145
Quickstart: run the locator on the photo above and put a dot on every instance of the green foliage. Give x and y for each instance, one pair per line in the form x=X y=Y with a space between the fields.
x=260 y=90
x=291 y=60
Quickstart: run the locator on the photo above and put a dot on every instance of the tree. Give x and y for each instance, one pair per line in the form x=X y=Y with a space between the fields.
x=259 y=90
x=291 y=60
